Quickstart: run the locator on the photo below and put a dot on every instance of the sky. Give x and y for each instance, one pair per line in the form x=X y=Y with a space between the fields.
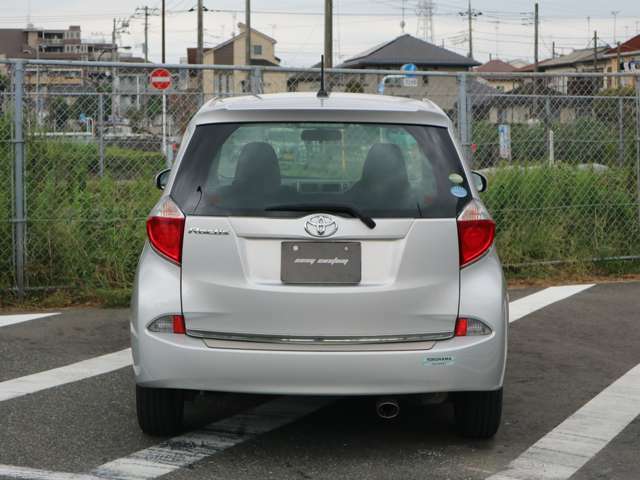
x=504 y=30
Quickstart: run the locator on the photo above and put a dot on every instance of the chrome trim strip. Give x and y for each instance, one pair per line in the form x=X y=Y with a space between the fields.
x=305 y=340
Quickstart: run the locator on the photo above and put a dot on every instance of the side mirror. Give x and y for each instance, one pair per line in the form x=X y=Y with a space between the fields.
x=162 y=178
x=480 y=181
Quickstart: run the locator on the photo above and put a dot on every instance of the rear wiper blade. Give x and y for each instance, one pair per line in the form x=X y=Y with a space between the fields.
x=324 y=207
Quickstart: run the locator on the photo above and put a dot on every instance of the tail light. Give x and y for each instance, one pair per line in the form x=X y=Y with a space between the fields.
x=168 y=324
x=165 y=229
x=470 y=327
x=476 y=231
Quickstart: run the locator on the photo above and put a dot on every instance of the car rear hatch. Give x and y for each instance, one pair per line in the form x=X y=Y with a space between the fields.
x=255 y=268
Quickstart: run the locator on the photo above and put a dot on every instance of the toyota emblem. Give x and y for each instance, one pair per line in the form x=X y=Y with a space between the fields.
x=321 y=226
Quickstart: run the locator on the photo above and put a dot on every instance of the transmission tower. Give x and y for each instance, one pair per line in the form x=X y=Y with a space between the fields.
x=424 y=11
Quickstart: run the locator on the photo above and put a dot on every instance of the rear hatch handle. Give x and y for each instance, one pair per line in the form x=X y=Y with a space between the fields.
x=324 y=207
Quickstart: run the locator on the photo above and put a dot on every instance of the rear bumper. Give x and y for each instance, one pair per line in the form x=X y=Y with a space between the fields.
x=458 y=364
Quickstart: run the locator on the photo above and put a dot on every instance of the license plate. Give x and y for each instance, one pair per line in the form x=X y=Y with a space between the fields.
x=321 y=263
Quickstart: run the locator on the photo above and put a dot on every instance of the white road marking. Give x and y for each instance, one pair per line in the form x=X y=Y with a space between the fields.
x=36 y=382
x=6 y=320
x=24 y=473
x=529 y=304
x=564 y=450
x=184 y=450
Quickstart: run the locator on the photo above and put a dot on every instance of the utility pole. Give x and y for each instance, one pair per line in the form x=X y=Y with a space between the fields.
x=536 y=28
x=247 y=24
x=470 y=31
x=328 y=33
x=595 y=50
x=200 y=34
x=553 y=49
x=146 y=12
x=164 y=58
x=146 y=33
x=200 y=31
x=119 y=26
x=470 y=14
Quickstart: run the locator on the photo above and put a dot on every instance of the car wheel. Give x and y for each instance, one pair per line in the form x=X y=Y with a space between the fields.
x=478 y=413
x=160 y=410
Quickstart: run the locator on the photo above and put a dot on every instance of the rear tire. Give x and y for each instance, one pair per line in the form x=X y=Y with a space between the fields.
x=160 y=410
x=478 y=414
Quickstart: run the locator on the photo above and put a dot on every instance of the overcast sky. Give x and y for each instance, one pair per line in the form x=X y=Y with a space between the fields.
x=504 y=29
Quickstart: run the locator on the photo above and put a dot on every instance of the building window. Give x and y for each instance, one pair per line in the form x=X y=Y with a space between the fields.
x=257 y=49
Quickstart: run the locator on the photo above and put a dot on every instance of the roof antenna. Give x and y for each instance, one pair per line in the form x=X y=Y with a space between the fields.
x=322 y=93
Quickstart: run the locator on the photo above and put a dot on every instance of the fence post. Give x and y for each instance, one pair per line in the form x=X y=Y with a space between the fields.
x=463 y=114
x=620 y=132
x=255 y=81
x=101 y=134
x=18 y=170
x=547 y=127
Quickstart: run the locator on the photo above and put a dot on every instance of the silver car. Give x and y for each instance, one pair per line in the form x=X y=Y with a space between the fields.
x=320 y=246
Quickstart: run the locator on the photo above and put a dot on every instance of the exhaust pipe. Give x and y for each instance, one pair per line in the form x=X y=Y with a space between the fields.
x=387 y=408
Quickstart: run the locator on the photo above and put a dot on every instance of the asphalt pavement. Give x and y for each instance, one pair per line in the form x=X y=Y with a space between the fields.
x=570 y=360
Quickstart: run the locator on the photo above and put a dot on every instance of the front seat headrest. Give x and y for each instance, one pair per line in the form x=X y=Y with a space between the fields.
x=384 y=169
x=258 y=167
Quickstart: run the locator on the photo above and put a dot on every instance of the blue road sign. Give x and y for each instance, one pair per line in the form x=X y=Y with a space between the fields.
x=409 y=67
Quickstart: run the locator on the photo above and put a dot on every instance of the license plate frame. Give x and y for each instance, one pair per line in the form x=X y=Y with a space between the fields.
x=321 y=263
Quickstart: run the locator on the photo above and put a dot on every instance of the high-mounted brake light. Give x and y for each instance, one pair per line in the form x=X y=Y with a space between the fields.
x=476 y=231
x=165 y=229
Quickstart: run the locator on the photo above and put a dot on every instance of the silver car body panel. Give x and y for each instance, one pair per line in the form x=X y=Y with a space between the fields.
x=410 y=278
x=411 y=285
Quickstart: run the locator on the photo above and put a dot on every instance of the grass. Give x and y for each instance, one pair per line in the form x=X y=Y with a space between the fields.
x=547 y=213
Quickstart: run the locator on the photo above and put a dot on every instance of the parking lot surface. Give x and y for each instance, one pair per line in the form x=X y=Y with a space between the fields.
x=572 y=399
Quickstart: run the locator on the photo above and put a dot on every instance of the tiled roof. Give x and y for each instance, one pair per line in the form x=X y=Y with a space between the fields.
x=496 y=66
x=408 y=49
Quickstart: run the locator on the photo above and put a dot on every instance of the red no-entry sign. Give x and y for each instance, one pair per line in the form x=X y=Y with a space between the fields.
x=160 y=79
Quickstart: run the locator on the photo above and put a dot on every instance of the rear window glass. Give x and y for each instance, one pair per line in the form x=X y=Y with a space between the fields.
x=383 y=170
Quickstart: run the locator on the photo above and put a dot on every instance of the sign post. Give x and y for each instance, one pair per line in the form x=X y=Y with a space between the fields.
x=160 y=79
x=408 y=79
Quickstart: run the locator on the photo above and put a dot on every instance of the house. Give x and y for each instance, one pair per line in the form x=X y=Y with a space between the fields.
x=232 y=52
x=391 y=55
x=526 y=104
x=504 y=83
x=581 y=60
x=628 y=61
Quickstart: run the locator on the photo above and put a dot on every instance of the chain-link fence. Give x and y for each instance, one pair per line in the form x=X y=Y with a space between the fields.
x=81 y=141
